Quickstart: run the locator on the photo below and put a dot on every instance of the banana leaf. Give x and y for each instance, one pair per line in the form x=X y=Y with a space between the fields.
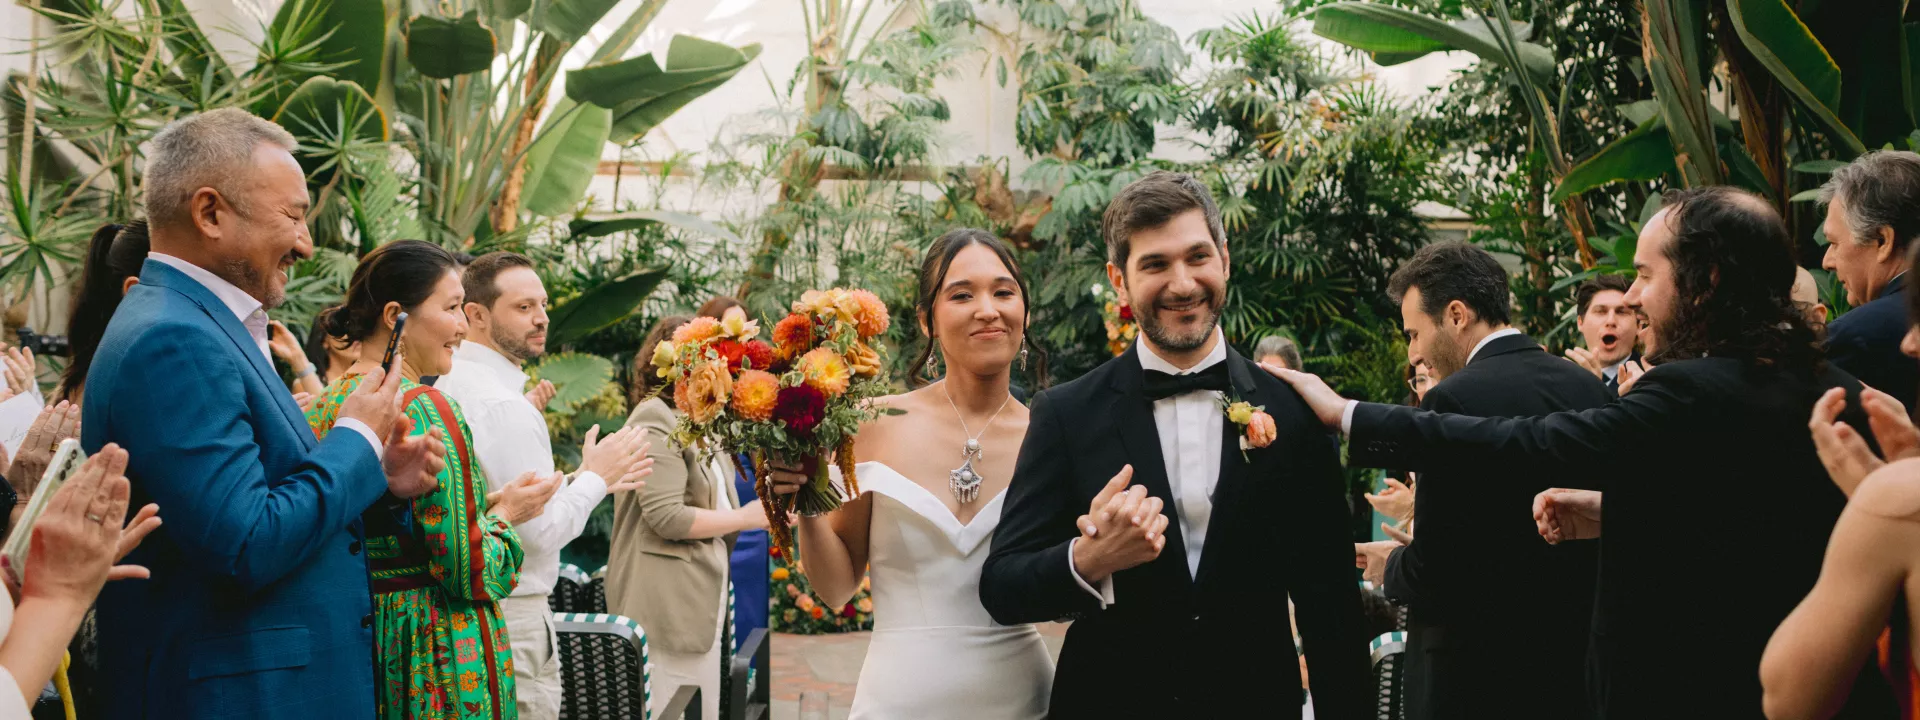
x=445 y=48
x=1787 y=49
x=564 y=160
x=642 y=93
x=600 y=306
x=1394 y=35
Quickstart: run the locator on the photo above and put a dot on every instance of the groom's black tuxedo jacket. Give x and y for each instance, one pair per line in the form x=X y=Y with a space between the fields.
x=1171 y=645
x=1498 y=618
x=1716 y=533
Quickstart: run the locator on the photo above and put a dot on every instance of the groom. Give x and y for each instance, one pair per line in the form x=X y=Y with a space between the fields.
x=1135 y=509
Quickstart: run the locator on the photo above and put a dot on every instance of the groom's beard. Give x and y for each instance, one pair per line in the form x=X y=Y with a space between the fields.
x=1181 y=340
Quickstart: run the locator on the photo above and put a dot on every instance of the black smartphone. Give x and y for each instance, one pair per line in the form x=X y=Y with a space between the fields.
x=393 y=343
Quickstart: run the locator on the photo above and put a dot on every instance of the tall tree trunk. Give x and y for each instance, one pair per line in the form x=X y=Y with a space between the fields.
x=1763 y=107
x=506 y=210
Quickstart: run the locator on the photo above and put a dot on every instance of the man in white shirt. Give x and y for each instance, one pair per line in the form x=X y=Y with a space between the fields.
x=507 y=321
x=1254 y=508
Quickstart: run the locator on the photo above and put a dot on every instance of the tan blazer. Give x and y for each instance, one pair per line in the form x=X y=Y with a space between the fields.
x=671 y=584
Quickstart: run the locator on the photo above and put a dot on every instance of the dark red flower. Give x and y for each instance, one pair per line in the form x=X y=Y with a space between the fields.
x=760 y=354
x=801 y=408
x=1126 y=313
x=847 y=611
x=731 y=351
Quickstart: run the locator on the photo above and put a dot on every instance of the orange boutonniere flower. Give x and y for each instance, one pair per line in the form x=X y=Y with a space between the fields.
x=1257 y=429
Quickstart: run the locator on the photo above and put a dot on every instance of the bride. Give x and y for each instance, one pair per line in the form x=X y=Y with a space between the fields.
x=934 y=480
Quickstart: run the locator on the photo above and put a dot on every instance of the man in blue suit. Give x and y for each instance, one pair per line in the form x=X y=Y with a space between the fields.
x=1873 y=214
x=258 y=605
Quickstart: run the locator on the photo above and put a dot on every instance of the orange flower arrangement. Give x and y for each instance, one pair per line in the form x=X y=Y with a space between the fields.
x=864 y=361
x=871 y=318
x=699 y=329
x=825 y=370
x=792 y=336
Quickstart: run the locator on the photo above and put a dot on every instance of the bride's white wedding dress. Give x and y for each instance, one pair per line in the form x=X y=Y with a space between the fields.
x=935 y=653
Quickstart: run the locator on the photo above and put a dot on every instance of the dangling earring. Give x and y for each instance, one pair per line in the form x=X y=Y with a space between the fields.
x=931 y=371
x=1023 y=355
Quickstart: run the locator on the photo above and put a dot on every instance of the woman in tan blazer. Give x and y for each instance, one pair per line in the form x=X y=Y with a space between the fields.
x=669 y=551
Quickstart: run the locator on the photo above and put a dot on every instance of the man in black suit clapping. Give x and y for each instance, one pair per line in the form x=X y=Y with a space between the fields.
x=1498 y=618
x=1686 y=600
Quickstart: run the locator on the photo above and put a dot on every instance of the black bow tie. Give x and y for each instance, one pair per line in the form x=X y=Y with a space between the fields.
x=1161 y=386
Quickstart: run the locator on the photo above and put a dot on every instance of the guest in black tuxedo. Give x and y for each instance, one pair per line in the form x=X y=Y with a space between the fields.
x=1686 y=602
x=1180 y=615
x=1609 y=329
x=1873 y=213
x=1498 y=619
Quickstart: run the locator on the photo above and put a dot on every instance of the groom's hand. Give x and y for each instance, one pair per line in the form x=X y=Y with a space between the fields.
x=1327 y=404
x=1123 y=528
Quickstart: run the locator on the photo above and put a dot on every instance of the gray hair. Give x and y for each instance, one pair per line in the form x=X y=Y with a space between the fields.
x=1278 y=345
x=213 y=149
x=1881 y=189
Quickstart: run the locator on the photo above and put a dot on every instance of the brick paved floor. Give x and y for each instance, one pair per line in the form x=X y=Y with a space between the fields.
x=830 y=664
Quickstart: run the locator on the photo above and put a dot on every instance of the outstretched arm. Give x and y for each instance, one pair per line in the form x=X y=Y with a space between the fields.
x=1027 y=577
x=1811 y=662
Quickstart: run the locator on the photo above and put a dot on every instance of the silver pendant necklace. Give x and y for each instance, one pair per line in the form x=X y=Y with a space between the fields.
x=964 y=481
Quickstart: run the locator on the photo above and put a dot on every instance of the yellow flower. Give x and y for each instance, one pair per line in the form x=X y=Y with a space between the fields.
x=1240 y=413
x=469 y=681
x=663 y=356
x=825 y=370
x=754 y=393
x=780 y=573
x=864 y=361
x=699 y=329
x=708 y=389
x=846 y=307
x=865 y=605
x=736 y=325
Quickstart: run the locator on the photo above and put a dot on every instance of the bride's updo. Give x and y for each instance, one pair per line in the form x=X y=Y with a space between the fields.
x=933 y=275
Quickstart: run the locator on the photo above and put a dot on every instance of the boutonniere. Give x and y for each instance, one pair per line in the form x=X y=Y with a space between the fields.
x=1256 y=426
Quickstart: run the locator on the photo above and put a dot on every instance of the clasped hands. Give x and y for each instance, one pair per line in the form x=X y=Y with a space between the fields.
x=1123 y=528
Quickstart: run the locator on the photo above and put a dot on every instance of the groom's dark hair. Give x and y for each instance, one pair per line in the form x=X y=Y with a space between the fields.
x=1151 y=202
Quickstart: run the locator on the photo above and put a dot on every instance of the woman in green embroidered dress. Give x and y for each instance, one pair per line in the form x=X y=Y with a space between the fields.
x=441 y=562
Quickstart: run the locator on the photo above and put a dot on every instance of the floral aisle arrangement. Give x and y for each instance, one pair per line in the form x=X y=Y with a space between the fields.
x=799 y=398
x=1121 y=329
x=795 y=609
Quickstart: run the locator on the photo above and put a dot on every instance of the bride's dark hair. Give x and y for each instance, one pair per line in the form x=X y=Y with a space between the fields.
x=933 y=274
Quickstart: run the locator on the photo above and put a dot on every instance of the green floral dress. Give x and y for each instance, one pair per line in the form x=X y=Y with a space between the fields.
x=440 y=566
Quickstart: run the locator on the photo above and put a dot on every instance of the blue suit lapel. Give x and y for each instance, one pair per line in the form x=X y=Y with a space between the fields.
x=159 y=274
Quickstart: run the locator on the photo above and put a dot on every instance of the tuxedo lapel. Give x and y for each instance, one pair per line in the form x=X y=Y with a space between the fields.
x=1233 y=461
x=1132 y=413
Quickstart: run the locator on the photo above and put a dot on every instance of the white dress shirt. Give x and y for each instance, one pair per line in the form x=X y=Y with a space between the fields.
x=1346 y=414
x=253 y=316
x=509 y=439
x=1190 y=426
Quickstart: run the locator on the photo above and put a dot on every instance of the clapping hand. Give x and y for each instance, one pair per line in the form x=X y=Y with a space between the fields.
x=285 y=347
x=1845 y=452
x=1395 y=502
x=1371 y=557
x=19 y=370
x=80 y=535
x=1327 y=405
x=541 y=394
x=1630 y=372
x=1563 y=514
x=619 y=459
x=55 y=423
x=525 y=498
x=304 y=400
x=1123 y=528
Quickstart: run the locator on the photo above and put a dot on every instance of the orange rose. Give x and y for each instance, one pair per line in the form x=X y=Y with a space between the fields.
x=865 y=605
x=804 y=602
x=699 y=329
x=1261 y=430
x=708 y=389
x=825 y=370
x=754 y=393
x=864 y=361
x=817 y=612
x=871 y=316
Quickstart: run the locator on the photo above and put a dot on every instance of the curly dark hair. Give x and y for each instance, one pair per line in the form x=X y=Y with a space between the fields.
x=1733 y=275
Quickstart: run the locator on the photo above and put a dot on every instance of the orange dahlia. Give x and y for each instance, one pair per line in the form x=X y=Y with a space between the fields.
x=871 y=317
x=826 y=371
x=697 y=330
x=754 y=393
x=792 y=336
x=709 y=387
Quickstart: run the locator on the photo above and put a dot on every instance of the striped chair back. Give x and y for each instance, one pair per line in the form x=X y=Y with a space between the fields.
x=604 y=672
x=1389 y=671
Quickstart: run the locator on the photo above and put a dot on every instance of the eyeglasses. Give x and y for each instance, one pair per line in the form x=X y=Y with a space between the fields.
x=1417 y=382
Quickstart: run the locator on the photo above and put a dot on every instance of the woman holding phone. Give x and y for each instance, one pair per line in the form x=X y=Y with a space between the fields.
x=441 y=562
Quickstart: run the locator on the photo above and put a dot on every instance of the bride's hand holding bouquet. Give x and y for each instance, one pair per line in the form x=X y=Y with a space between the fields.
x=794 y=402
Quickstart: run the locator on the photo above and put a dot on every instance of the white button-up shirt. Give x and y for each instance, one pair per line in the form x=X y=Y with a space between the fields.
x=1190 y=426
x=253 y=316
x=509 y=439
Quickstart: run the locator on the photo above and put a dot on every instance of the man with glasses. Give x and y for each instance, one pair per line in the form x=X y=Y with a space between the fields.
x=1498 y=618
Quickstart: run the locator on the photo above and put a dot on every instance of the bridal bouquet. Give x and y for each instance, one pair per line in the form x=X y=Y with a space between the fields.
x=799 y=398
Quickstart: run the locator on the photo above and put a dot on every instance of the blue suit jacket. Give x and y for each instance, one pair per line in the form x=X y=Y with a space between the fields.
x=1865 y=342
x=259 y=603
